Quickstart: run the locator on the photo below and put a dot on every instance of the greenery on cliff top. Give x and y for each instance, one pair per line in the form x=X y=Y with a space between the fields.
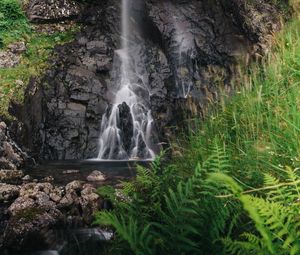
x=235 y=188
x=14 y=27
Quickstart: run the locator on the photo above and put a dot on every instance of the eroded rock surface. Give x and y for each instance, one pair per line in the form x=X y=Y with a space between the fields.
x=11 y=156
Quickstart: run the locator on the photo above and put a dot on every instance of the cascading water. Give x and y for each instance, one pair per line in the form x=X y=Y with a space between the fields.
x=132 y=139
x=183 y=39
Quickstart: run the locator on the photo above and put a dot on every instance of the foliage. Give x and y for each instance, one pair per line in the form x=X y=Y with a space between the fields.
x=178 y=212
x=276 y=217
x=13 y=23
x=14 y=26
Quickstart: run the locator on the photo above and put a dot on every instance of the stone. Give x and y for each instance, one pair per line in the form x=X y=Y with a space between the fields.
x=9 y=176
x=48 y=179
x=70 y=171
x=8 y=59
x=20 y=204
x=11 y=156
x=56 y=194
x=17 y=48
x=96 y=176
x=8 y=192
x=97 y=47
x=74 y=186
x=41 y=11
x=126 y=125
x=32 y=188
x=26 y=178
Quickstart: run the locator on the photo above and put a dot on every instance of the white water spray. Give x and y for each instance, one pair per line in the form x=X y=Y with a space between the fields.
x=112 y=139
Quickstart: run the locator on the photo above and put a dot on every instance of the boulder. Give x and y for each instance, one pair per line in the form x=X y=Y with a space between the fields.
x=96 y=176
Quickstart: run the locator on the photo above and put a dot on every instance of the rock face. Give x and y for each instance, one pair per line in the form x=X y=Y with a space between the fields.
x=188 y=50
x=52 y=10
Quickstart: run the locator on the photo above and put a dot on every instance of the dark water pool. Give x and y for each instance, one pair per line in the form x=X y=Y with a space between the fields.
x=64 y=172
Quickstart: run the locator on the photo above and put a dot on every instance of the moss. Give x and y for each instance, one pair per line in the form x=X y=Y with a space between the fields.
x=28 y=214
x=15 y=27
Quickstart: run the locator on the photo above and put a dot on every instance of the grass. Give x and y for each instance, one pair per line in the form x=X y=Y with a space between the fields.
x=260 y=125
x=15 y=27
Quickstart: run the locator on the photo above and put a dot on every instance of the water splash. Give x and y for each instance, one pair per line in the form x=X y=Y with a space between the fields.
x=129 y=138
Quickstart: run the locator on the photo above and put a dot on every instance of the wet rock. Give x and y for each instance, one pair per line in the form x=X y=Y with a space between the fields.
x=32 y=188
x=48 y=179
x=8 y=192
x=27 y=223
x=56 y=194
x=96 y=176
x=41 y=11
x=74 y=186
x=126 y=125
x=21 y=204
x=26 y=178
x=10 y=176
x=33 y=208
x=70 y=171
x=90 y=202
x=68 y=200
x=11 y=156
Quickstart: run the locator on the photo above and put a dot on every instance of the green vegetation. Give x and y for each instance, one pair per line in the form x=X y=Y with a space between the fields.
x=14 y=27
x=13 y=23
x=243 y=196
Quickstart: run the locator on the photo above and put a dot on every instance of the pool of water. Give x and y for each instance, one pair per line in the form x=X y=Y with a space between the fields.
x=64 y=172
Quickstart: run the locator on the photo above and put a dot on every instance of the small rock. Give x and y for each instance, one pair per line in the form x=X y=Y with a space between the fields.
x=26 y=178
x=70 y=171
x=96 y=176
x=17 y=48
x=48 y=179
x=56 y=194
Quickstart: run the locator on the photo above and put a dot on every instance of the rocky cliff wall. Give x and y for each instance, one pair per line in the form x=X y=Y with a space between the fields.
x=191 y=46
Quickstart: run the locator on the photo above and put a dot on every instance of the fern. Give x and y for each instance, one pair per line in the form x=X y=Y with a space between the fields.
x=168 y=210
x=275 y=217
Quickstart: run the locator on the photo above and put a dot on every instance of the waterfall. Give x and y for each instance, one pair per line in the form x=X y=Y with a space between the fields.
x=127 y=126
